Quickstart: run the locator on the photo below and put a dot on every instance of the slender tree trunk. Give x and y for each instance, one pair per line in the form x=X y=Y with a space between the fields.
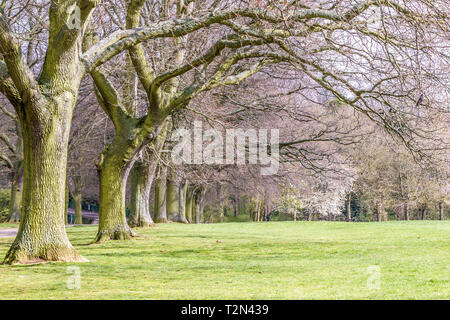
x=66 y=203
x=16 y=194
x=236 y=202
x=199 y=203
x=441 y=211
x=42 y=234
x=189 y=204
x=263 y=212
x=406 y=211
x=77 y=196
x=78 y=200
x=378 y=212
x=17 y=178
x=194 y=208
x=383 y=214
x=141 y=179
x=256 y=211
x=160 y=196
x=349 y=209
x=113 y=179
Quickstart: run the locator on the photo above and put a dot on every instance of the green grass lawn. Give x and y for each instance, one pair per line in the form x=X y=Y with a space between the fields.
x=277 y=260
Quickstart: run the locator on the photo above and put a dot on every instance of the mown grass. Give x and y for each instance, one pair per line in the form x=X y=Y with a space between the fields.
x=276 y=260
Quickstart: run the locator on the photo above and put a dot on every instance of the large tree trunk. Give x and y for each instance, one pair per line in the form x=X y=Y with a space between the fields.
x=172 y=201
x=42 y=234
x=160 y=196
x=141 y=179
x=113 y=173
x=182 y=191
x=16 y=194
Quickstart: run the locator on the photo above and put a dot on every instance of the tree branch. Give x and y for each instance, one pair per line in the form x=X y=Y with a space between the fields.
x=8 y=142
x=18 y=71
x=184 y=97
x=109 y=98
x=137 y=54
x=7 y=161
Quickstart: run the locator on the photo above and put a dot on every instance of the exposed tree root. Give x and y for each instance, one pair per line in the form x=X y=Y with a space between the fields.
x=122 y=232
x=18 y=255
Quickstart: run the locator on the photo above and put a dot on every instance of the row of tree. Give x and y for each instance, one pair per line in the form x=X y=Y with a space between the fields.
x=328 y=74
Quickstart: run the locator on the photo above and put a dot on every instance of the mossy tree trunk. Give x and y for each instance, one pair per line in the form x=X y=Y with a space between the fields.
x=42 y=234
x=141 y=179
x=132 y=135
x=182 y=202
x=44 y=106
x=172 y=201
x=113 y=175
x=160 y=196
x=175 y=200
x=77 y=196
x=441 y=210
x=78 y=201
x=76 y=191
